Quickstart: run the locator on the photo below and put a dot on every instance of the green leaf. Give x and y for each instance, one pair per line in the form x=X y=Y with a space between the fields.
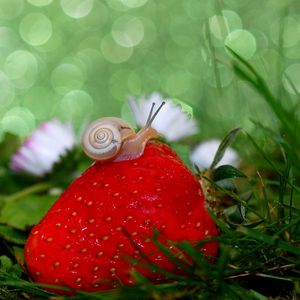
x=257 y=295
x=195 y=253
x=246 y=196
x=26 y=211
x=19 y=255
x=140 y=279
x=253 y=224
x=185 y=107
x=12 y=235
x=226 y=142
x=227 y=184
x=226 y=172
x=5 y=263
x=63 y=170
x=274 y=241
x=235 y=214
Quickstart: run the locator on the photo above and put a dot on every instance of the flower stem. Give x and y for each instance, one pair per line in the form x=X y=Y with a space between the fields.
x=36 y=188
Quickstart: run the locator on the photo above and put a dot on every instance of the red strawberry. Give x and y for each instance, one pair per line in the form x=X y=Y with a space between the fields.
x=87 y=236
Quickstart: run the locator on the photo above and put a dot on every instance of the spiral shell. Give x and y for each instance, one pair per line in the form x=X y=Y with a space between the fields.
x=104 y=137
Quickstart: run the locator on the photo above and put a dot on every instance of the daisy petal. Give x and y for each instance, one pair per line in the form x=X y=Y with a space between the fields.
x=40 y=151
x=172 y=122
x=204 y=153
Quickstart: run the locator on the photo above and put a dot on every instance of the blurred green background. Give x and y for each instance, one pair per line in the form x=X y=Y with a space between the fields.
x=81 y=59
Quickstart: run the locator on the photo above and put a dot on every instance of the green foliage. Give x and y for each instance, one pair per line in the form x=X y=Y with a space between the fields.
x=66 y=167
x=289 y=138
x=226 y=172
x=26 y=211
x=12 y=235
x=184 y=107
x=226 y=142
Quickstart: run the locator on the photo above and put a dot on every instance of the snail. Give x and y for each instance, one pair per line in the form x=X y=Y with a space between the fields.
x=113 y=139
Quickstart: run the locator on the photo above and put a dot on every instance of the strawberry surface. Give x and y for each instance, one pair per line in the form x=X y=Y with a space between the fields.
x=107 y=216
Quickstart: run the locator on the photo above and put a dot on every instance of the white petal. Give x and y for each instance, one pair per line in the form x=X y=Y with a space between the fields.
x=136 y=111
x=26 y=166
x=43 y=148
x=204 y=153
x=43 y=158
x=32 y=159
x=62 y=133
x=171 y=122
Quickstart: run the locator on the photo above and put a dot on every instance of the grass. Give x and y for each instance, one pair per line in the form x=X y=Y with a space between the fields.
x=258 y=216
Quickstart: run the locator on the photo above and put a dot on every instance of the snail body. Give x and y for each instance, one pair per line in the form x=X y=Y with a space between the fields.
x=113 y=139
x=134 y=147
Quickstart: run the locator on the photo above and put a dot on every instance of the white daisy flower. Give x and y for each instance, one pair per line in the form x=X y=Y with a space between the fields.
x=204 y=153
x=40 y=151
x=172 y=122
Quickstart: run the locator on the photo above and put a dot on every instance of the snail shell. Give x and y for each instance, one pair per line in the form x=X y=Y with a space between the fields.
x=103 y=139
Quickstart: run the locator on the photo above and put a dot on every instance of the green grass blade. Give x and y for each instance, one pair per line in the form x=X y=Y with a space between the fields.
x=248 y=73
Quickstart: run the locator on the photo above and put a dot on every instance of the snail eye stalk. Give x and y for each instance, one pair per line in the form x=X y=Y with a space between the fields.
x=152 y=116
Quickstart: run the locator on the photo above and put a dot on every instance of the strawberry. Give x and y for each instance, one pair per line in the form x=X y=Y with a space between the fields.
x=108 y=214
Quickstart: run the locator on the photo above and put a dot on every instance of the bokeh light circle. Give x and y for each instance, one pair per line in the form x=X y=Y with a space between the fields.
x=8 y=38
x=76 y=105
x=225 y=76
x=22 y=68
x=262 y=41
x=10 y=9
x=134 y=83
x=118 y=84
x=237 y=3
x=19 y=121
x=292 y=52
x=66 y=77
x=194 y=61
x=92 y=59
x=242 y=42
x=128 y=31
x=35 y=29
x=55 y=41
x=114 y=52
x=117 y=5
x=198 y=10
x=40 y=100
x=7 y=91
x=182 y=33
x=77 y=8
x=177 y=83
x=40 y=3
x=289 y=30
x=134 y=3
x=150 y=33
x=291 y=79
x=221 y=25
x=150 y=79
x=96 y=19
